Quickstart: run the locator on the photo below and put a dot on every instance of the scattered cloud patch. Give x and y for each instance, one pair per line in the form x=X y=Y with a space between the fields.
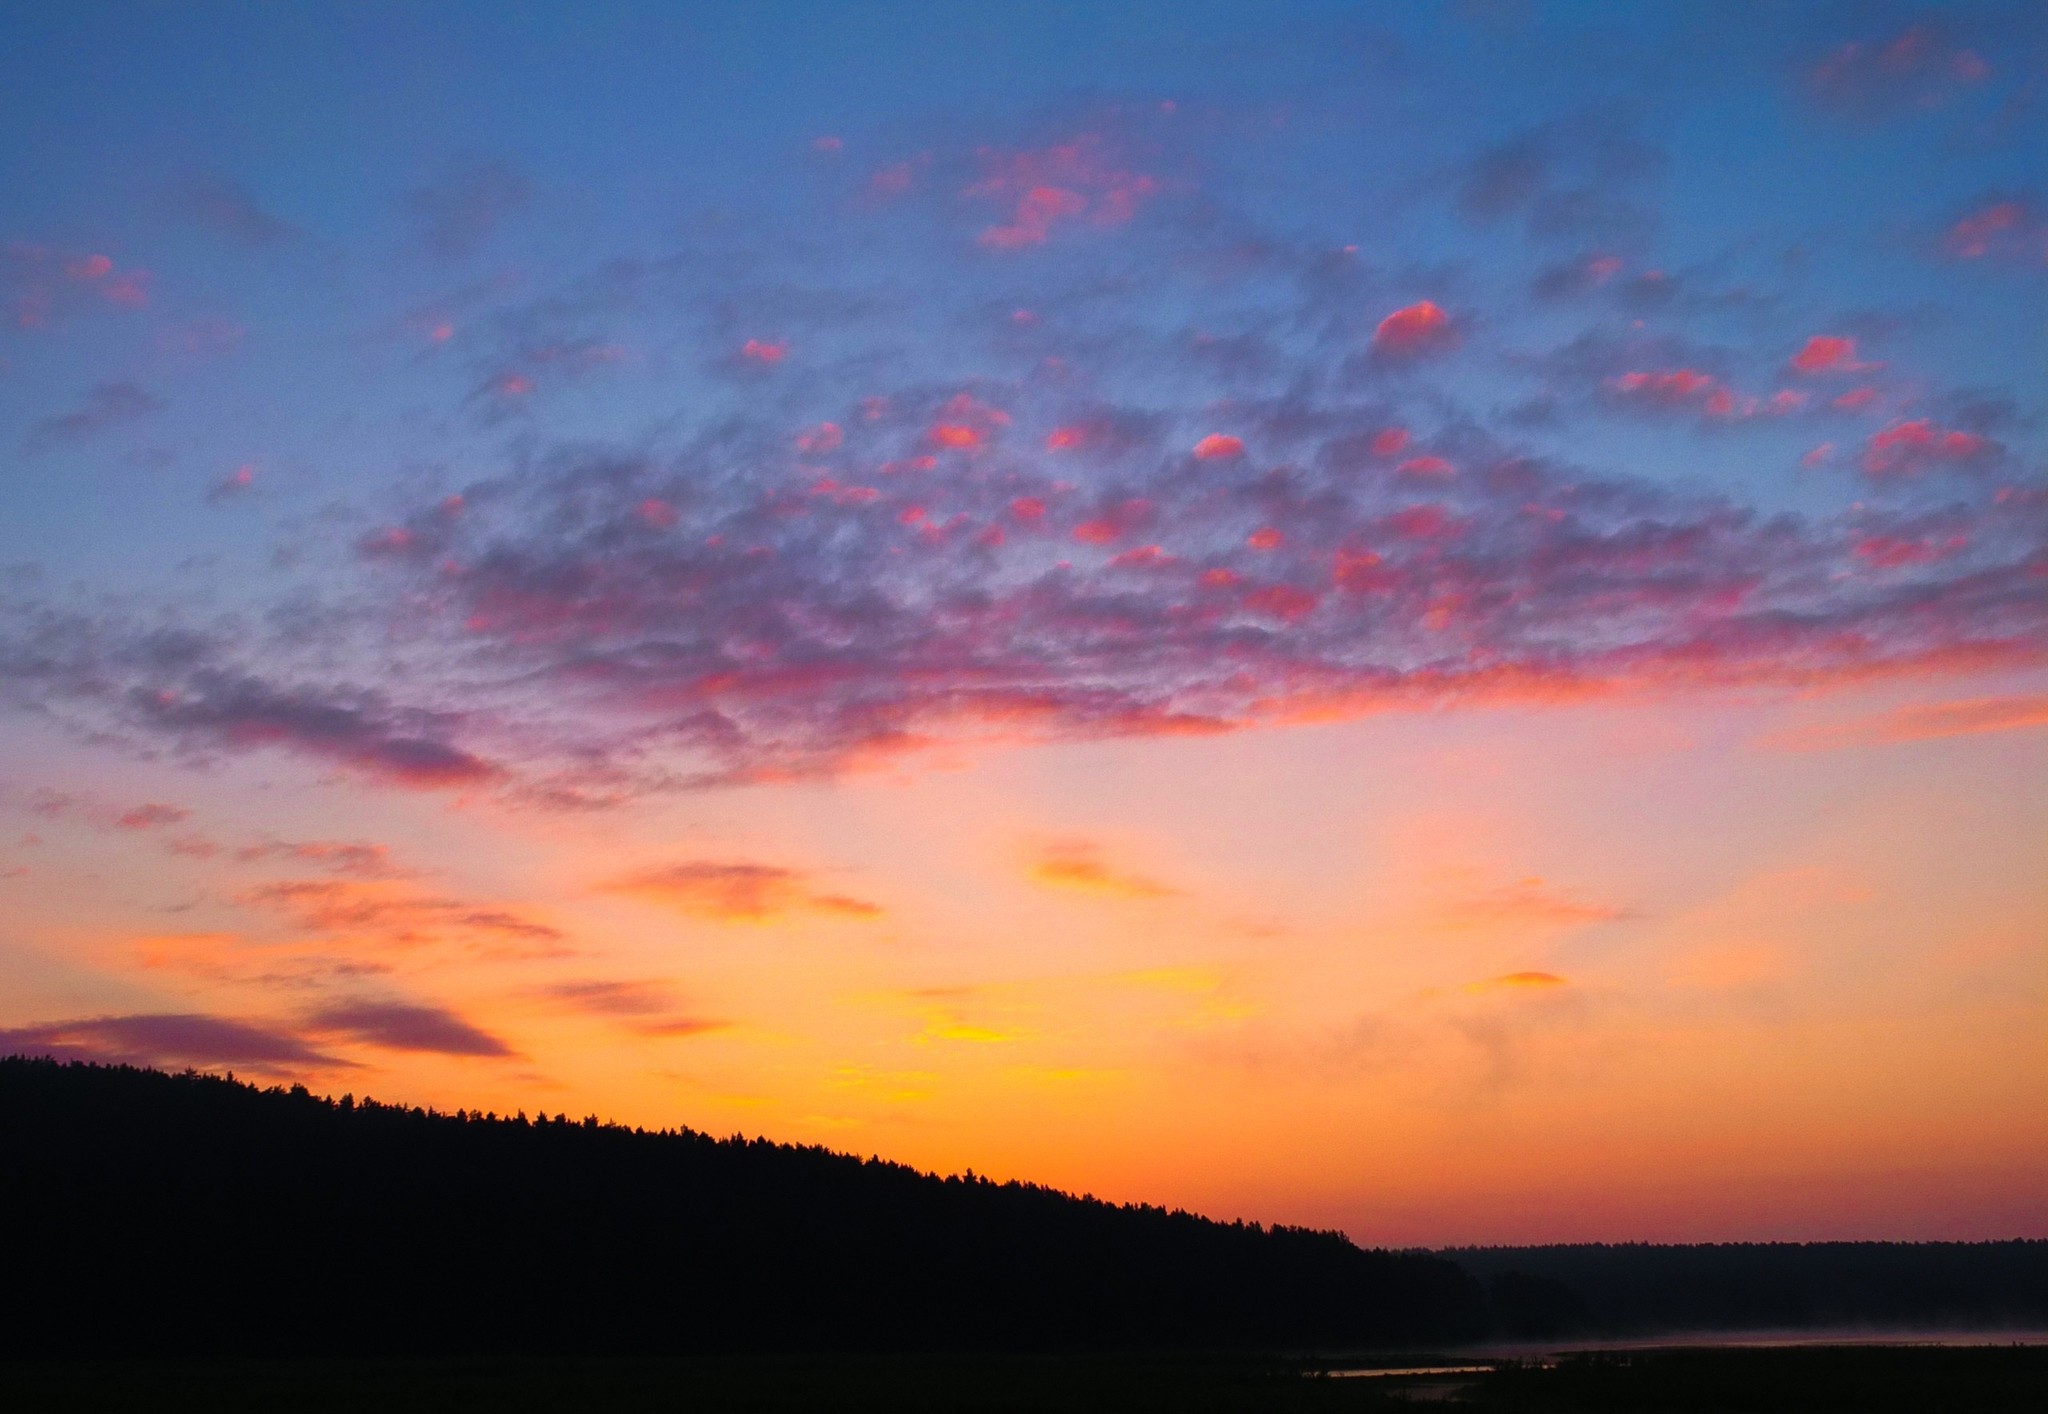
x=1916 y=69
x=1041 y=190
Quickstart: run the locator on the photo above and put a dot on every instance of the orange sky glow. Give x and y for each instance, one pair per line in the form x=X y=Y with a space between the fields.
x=1644 y=970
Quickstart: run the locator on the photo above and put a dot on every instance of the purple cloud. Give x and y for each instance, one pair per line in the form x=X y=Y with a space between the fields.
x=457 y=212
x=228 y=209
x=169 y=1040
x=353 y=728
x=106 y=405
x=405 y=1026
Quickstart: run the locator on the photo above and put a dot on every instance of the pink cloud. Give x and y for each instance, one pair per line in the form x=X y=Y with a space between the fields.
x=1422 y=522
x=1032 y=220
x=47 y=285
x=1676 y=385
x=1418 y=329
x=1917 y=69
x=1218 y=446
x=1362 y=572
x=1285 y=602
x=895 y=179
x=130 y=289
x=148 y=817
x=2009 y=230
x=965 y=423
x=657 y=513
x=1430 y=466
x=1892 y=551
x=1114 y=523
x=1143 y=557
x=1043 y=189
x=236 y=483
x=825 y=437
x=1828 y=353
x=1908 y=447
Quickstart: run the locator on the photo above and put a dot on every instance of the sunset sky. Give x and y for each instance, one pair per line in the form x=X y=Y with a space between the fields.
x=1423 y=618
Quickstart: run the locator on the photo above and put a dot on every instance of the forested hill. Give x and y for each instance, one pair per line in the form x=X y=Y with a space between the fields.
x=188 y=1213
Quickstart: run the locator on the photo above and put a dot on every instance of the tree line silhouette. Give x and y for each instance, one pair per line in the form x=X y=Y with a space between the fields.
x=187 y=1213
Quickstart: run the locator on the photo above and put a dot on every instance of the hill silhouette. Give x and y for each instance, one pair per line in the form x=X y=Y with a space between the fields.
x=196 y=1214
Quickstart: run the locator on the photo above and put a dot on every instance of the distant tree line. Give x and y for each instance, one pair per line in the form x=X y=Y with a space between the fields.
x=143 y=1212
x=1625 y=1289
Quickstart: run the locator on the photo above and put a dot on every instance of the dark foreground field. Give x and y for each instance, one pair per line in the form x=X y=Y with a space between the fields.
x=1808 y=1380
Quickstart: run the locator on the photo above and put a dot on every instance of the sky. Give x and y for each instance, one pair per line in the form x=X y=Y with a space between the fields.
x=1429 y=619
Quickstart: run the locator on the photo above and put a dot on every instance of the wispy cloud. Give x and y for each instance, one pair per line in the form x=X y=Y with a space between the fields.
x=649 y=1008
x=1923 y=722
x=106 y=406
x=1528 y=902
x=730 y=891
x=1078 y=866
x=457 y=212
